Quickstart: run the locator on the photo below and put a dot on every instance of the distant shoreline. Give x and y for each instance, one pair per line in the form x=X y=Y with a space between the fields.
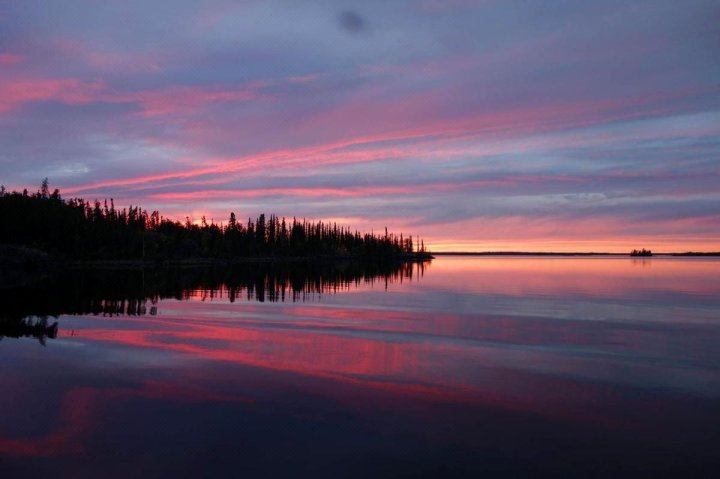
x=549 y=253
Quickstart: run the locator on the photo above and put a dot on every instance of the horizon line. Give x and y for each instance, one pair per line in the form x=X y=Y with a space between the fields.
x=566 y=253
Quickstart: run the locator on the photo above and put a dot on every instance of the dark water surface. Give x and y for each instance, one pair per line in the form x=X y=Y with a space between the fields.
x=466 y=367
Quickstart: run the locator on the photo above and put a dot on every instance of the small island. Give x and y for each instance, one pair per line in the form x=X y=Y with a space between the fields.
x=641 y=252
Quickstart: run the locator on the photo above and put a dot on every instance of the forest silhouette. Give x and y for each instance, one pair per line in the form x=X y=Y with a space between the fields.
x=79 y=230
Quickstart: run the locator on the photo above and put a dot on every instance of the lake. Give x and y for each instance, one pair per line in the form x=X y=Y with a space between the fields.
x=461 y=367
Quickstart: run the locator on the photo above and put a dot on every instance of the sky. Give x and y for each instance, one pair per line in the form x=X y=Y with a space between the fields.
x=478 y=125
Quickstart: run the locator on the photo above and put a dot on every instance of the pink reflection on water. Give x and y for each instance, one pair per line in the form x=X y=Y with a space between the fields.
x=560 y=276
x=83 y=409
x=402 y=358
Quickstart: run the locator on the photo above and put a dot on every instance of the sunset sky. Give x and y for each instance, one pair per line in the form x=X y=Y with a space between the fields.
x=479 y=125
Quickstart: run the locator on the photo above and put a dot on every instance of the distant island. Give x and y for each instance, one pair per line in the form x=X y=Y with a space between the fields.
x=641 y=252
x=43 y=226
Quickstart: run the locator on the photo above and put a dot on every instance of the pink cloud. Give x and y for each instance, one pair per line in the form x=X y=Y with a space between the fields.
x=174 y=100
x=552 y=233
x=106 y=61
x=9 y=58
x=303 y=78
x=70 y=91
x=366 y=191
x=152 y=103
x=373 y=145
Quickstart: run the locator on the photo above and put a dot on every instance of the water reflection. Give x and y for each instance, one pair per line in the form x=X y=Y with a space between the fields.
x=38 y=328
x=137 y=292
x=486 y=367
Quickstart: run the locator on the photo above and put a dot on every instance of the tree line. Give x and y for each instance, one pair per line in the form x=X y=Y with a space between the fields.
x=79 y=229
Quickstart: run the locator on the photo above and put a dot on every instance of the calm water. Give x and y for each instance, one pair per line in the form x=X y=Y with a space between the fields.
x=464 y=367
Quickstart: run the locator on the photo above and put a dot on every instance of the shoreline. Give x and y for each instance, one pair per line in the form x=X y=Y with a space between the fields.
x=34 y=266
x=223 y=262
x=544 y=253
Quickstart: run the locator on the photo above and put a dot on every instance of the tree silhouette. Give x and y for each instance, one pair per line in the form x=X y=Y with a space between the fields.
x=78 y=229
